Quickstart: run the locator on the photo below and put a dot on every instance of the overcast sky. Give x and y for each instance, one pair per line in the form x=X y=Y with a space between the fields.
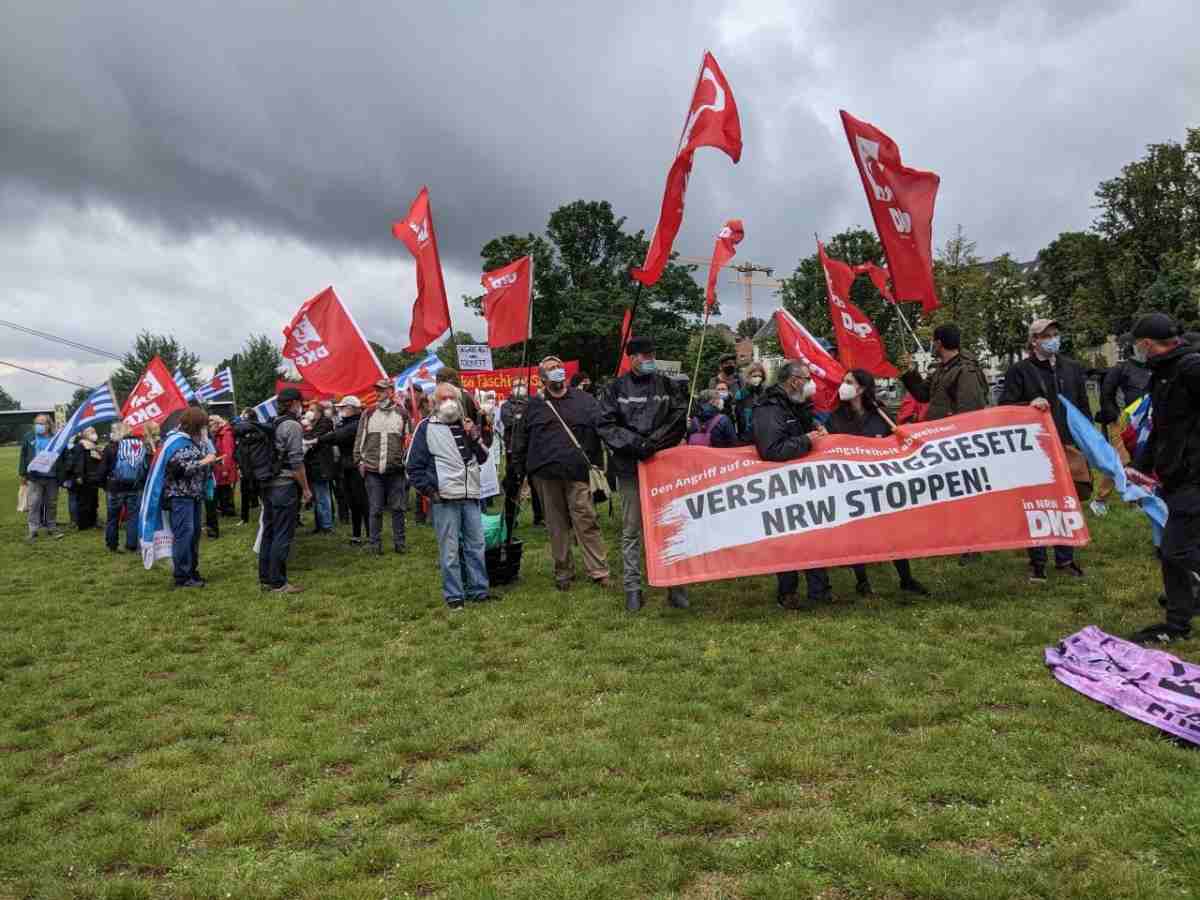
x=203 y=168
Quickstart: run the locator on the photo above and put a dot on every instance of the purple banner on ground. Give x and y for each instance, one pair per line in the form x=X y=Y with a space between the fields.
x=1148 y=685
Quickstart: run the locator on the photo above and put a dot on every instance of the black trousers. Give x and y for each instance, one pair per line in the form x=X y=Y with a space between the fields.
x=1180 y=553
x=212 y=517
x=903 y=569
x=816 y=581
x=89 y=506
x=341 y=505
x=225 y=500
x=510 y=508
x=355 y=490
x=280 y=507
x=249 y=490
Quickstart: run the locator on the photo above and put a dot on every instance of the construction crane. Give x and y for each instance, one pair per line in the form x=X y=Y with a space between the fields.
x=745 y=277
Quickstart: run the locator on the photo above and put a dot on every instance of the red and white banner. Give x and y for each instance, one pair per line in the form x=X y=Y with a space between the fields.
x=901 y=201
x=328 y=349
x=153 y=398
x=508 y=302
x=501 y=380
x=996 y=479
x=727 y=240
x=798 y=343
x=858 y=341
x=712 y=121
x=431 y=310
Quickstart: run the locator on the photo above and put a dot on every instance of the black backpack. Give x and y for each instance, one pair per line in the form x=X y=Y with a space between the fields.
x=256 y=449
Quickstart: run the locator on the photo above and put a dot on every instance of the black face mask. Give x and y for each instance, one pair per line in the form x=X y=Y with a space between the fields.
x=728 y=370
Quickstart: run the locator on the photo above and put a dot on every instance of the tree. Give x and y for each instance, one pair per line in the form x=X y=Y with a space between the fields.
x=961 y=285
x=582 y=288
x=146 y=346
x=749 y=327
x=255 y=369
x=1007 y=310
x=448 y=351
x=9 y=433
x=1072 y=276
x=1176 y=290
x=394 y=362
x=715 y=346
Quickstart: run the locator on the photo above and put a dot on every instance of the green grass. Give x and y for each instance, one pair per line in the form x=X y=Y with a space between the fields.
x=356 y=741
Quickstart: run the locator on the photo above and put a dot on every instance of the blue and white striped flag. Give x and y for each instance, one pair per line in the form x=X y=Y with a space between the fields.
x=99 y=407
x=222 y=383
x=267 y=410
x=181 y=382
x=421 y=375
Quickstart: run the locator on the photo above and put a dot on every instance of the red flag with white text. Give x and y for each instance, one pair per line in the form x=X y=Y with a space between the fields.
x=727 y=240
x=508 y=302
x=431 y=310
x=901 y=201
x=798 y=343
x=879 y=278
x=712 y=121
x=329 y=349
x=153 y=398
x=858 y=341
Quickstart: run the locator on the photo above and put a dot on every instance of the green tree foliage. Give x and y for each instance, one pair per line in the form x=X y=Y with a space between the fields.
x=1072 y=277
x=961 y=285
x=146 y=346
x=396 y=361
x=715 y=346
x=1007 y=309
x=582 y=288
x=749 y=327
x=255 y=369
x=10 y=433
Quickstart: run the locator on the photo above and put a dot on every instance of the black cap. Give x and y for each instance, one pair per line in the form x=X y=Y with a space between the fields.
x=639 y=345
x=288 y=395
x=1156 y=326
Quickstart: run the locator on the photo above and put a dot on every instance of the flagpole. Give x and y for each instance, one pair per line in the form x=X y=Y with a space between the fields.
x=896 y=301
x=626 y=335
x=699 y=355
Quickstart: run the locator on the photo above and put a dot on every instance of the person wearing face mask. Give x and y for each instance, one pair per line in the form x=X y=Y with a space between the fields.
x=955 y=384
x=555 y=445
x=447 y=375
x=1039 y=381
x=343 y=436
x=86 y=471
x=41 y=495
x=444 y=462
x=745 y=400
x=582 y=381
x=379 y=450
x=641 y=412
x=710 y=427
x=727 y=375
x=490 y=475
x=858 y=413
x=511 y=414
x=319 y=465
x=784 y=429
x=282 y=495
x=1172 y=455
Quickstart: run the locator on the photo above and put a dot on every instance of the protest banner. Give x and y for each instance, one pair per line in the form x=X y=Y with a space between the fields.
x=999 y=475
x=474 y=357
x=500 y=380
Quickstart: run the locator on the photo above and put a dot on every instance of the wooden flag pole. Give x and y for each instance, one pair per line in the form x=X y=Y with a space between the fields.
x=699 y=356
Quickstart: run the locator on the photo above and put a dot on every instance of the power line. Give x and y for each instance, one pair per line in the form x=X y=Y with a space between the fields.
x=45 y=374
x=61 y=340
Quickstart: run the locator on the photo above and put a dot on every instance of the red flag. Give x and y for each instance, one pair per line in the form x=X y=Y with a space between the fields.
x=858 y=341
x=328 y=348
x=798 y=343
x=623 y=364
x=727 y=240
x=153 y=398
x=508 y=302
x=712 y=121
x=879 y=278
x=901 y=201
x=431 y=311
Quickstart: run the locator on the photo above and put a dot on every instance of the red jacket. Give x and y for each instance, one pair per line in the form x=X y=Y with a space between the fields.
x=226 y=471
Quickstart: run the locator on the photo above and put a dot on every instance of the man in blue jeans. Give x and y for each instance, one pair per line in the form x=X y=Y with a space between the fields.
x=124 y=467
x=443 y=465
x=281 y=496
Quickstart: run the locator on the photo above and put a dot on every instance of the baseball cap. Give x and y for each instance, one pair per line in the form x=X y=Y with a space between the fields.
x=1037 y=326
x=383 y=383
x=639 y=345
x=350 y=400
x=1156 y=326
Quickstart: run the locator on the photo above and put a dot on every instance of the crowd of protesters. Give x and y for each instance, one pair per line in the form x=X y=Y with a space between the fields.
x=572 y=444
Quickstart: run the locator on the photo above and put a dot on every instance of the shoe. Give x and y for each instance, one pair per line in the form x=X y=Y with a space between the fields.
x=266 y=587
x=57 y=534
x=603 y=583
x=677 y=598
x=1071 y=569
x=1098 y=508
x=482 y=598
x=633 y=601
x=1037 y=573
x=288 y=588
x=789 y=600
x=214 y=534
x=356 y=541
x=110 y=549
x=863 y=588
x=914 y=587
x=539 y=523
x=455 y=605
x=562 y=586
x=1163 y=633
x=400 y=548
x=239 y=523
x=190 y=583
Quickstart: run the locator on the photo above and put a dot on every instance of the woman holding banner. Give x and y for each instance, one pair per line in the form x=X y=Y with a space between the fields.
x=858 y=413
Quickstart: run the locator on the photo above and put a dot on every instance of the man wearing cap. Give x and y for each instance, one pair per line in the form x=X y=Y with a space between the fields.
x=282 y=495
x=1040 y=380
x=555 y=445
x=956 y=383
x=343 y=436
x=380 y=446
x=641 y=413
x=1172 y=454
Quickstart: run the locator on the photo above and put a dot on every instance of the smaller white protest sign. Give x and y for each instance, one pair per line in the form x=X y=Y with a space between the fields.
x=474 y=357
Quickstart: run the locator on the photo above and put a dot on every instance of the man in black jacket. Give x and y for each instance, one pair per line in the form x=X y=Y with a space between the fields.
x=511 y=413
x=1172 y=453
x=640 y=413
x=557 y=463
x=1039 y=381
x=342 y=436
x=784 y=429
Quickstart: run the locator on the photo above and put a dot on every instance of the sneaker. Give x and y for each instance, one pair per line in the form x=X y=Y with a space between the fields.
x=190 y=583
x=356 y=541
x=455 y=606
x=482 y=598
x=677 y=598
x=1098 y=508
x=57 y=534
x=288 y=588
x=1070 y=569
x=604 y=583
x=1037 y=573
x=1162 y=633
x=239 y=523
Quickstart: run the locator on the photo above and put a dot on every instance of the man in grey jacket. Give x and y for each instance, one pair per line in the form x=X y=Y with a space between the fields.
x=379 y=450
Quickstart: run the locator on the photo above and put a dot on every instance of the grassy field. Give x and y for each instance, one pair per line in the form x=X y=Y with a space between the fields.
x=356 y=741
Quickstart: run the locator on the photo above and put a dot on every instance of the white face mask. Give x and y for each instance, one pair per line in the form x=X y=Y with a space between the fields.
x=520 y=391
x=1140 y=353
x=756 y=380
x=810 y=389
x=847 y=391
x=449 y=412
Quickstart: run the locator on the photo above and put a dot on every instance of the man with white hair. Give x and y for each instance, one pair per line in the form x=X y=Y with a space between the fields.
x=443 y=464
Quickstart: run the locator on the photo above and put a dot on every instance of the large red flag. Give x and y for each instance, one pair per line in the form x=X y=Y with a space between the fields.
x=153 y=398
x=901 y=201
x=508 y=302
x=623 y=364
x=798 y=343
x=712 y=121
x=858 y=341
x=431 y=311
x=329 y=349
x=879 y=278
x=727 y=240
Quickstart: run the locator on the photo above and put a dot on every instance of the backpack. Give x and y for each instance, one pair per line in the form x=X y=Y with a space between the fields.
x=702 y=437
x=130 y=464
x=256 y=443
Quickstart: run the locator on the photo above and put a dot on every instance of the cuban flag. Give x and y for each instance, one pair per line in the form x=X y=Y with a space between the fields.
x=181 y=382
x=267 y=410
x=420 y=375
x=222 y=382
x=99 y=407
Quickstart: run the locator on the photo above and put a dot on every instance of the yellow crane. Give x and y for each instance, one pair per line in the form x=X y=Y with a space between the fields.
x=745 y=277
